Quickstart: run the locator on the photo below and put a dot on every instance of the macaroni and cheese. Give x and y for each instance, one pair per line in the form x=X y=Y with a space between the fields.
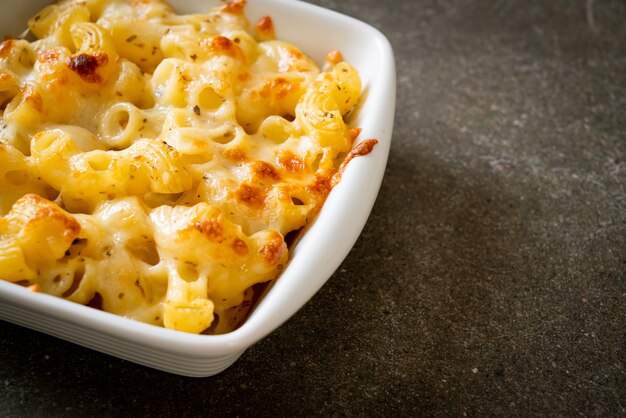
x=151 y=164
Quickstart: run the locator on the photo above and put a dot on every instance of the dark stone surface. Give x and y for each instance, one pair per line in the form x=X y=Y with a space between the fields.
x=490 y=278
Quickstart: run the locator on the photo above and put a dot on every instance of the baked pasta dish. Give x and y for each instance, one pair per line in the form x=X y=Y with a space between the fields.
x=152 y=164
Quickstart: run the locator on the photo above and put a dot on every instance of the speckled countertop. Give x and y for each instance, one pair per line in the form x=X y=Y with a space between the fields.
x=491 y=276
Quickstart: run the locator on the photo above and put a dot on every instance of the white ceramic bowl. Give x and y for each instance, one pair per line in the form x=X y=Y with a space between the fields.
x=315 y=257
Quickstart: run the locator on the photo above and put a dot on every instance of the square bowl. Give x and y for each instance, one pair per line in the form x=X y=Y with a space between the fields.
x=316 y=31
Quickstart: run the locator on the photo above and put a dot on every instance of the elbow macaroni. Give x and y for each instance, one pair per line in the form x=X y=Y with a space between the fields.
x=151 y=163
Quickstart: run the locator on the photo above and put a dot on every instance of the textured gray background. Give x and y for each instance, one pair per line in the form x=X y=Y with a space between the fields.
x=490 y=278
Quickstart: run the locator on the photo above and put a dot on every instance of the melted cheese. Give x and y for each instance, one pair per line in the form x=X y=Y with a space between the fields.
x=152 y=163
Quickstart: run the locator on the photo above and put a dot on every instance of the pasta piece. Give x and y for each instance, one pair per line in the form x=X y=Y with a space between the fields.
x=55 y=22
x=34 y=233
x=96 y=57
x=209 y=257
x=122 y=124
x=17 y=178
x=139 y=41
